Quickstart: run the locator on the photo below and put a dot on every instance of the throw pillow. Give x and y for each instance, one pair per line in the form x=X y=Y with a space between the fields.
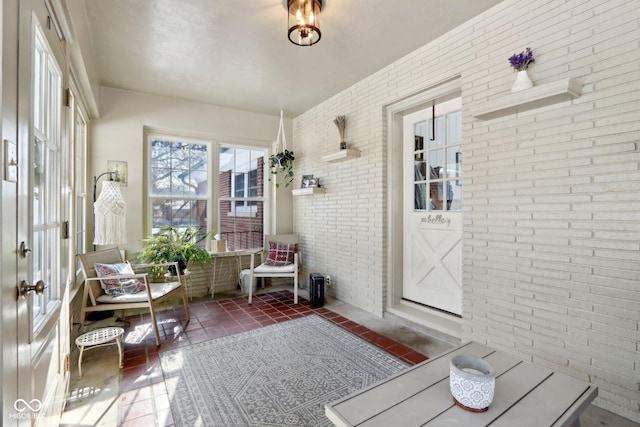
x=118 y=287
x=281 y=254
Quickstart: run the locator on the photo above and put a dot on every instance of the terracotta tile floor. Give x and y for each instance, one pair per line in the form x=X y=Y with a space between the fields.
x=144 y=398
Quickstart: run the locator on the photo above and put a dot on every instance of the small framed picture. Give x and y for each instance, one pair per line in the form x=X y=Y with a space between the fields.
x=306 y=181
x=120 y=168
x=314 y=182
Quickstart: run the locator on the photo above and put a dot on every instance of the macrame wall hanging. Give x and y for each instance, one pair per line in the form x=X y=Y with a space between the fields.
x=110 y=212
x=281 y=162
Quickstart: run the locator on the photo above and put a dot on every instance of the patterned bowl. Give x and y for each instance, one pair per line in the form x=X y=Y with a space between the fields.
x=472 y=381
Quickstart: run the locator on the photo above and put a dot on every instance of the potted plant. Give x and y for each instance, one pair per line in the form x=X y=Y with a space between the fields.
x=282 y=163
x=174 y=244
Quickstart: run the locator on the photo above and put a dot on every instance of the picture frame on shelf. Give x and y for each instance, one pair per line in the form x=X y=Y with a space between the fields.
x=314 y=182
x=306 y=179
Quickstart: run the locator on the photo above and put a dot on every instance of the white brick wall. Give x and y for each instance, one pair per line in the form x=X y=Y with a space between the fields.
x=551 y=196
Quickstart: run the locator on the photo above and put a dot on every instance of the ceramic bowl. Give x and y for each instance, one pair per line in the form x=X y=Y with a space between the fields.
x=472 y=381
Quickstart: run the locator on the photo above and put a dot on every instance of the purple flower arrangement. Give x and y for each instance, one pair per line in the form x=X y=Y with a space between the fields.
x=521 y=61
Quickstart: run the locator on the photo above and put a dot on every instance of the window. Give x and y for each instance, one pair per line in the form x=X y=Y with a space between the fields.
x=437 y=150
x=241 y=196
x=180 y=190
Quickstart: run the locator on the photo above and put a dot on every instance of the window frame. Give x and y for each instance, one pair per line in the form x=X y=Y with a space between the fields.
x=212 y=196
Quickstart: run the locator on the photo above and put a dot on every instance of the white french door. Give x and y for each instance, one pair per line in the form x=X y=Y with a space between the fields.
x=432 y=203
x=42 y=197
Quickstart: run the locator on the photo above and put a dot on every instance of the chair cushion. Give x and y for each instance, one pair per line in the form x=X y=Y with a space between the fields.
x=118 y=287
x=263 y=268
x=280 y=254
x=157 y=290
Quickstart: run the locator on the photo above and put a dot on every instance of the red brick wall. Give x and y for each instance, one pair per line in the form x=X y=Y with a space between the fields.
x=241 y=232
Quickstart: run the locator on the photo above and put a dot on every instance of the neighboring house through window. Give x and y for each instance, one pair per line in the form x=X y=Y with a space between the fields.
x=241 y=196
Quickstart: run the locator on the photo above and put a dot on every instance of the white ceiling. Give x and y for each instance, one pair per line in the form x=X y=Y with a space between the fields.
x=235 y=53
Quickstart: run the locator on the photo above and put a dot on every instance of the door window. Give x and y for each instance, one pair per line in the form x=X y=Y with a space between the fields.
x=45 y=179
x=438 y=161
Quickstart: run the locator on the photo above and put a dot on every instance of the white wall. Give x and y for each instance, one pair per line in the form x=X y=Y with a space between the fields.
x=551 y=196
x=118 y=135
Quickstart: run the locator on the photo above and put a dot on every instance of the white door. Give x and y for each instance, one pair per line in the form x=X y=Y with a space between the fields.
x=42 y=315
x=432 y=217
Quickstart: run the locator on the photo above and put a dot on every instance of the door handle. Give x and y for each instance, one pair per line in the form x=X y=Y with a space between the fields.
x=24 y=250
x=25 y=287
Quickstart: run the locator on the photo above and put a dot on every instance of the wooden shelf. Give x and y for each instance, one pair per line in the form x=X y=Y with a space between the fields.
x=342 y=155
x=308 y=190
x=536 y=97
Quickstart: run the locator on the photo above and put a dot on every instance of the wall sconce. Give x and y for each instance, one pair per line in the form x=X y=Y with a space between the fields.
x=304 y=25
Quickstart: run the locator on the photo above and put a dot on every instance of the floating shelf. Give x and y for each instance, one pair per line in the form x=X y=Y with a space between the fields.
x=308 y=190
x=342 y=155
x=536 y=97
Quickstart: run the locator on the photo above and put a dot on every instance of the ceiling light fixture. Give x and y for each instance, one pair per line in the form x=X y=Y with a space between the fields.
x=304 y=25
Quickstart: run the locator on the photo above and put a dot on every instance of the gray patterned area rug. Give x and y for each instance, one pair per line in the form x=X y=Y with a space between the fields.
x=278 y=375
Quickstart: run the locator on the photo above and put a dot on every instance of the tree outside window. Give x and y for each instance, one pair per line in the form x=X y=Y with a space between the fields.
x=178 y=185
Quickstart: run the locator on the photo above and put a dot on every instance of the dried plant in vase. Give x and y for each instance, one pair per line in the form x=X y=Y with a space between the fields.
x=341 y=123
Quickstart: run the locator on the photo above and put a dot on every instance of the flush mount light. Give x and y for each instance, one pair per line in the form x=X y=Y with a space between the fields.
x=304 y=25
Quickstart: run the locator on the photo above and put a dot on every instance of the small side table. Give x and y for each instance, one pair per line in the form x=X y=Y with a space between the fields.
x=235 y=256
x=99 y=338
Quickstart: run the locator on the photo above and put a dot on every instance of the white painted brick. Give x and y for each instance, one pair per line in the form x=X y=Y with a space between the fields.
x=551 y=239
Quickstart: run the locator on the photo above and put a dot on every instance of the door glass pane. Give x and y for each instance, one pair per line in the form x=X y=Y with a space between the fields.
x=454 y=161
x=38 y=186
x=420 y=196
x=438 y=139
x=419 y=166
x=436 y=164
x=454 y=127
x=456 y=195
x=53 y=186
x=38 y=273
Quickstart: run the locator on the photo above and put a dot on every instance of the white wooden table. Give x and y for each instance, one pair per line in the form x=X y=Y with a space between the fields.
x=525 y=395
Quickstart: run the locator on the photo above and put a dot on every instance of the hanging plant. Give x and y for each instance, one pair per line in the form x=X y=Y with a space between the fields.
x=281 y=163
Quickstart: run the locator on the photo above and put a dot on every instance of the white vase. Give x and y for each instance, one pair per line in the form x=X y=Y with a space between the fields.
x=522 y=82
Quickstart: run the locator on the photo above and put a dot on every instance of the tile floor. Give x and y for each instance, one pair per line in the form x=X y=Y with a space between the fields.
x=136 y=396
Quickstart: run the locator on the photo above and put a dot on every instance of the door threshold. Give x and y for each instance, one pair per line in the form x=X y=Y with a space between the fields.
x=443 y=326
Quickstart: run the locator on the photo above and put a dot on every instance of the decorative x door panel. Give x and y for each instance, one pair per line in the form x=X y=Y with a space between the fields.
x=433 y=270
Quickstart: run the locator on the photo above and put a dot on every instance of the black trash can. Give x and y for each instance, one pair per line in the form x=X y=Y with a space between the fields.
x=316 y=289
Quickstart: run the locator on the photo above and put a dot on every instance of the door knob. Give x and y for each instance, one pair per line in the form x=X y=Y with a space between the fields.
x=25 y=287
